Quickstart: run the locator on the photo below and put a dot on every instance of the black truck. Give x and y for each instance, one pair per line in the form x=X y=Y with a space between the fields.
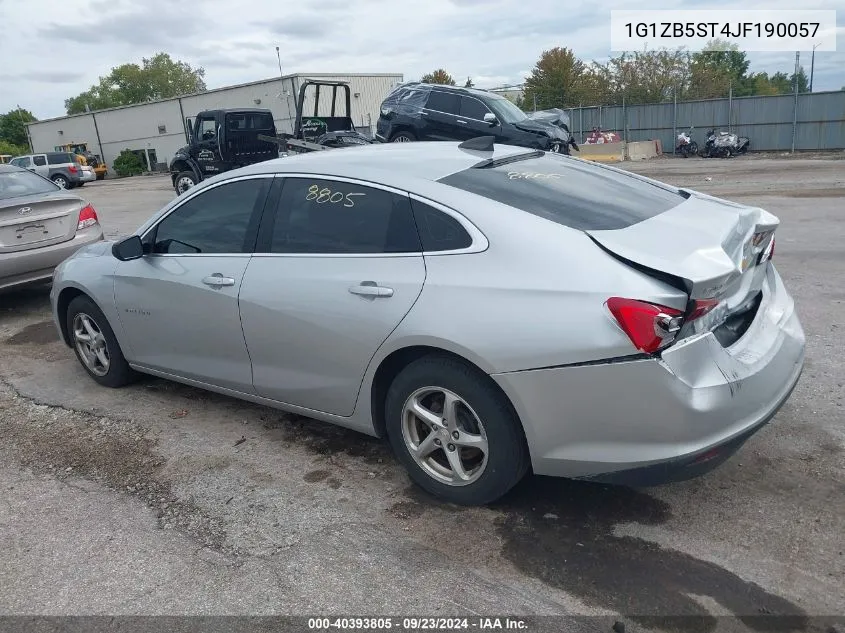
x=220 y=140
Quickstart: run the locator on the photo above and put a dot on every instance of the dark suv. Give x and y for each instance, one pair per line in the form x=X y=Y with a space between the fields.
x=429 y=112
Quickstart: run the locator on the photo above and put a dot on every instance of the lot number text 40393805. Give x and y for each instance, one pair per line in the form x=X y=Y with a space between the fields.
x=408 y=624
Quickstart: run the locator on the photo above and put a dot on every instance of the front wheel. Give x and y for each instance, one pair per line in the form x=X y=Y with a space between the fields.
x=184 y=181
x=403 y=137
x=95 y=344
x=455 y=433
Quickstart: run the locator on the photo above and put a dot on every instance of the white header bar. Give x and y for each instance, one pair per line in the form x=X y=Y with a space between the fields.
x=753 y=30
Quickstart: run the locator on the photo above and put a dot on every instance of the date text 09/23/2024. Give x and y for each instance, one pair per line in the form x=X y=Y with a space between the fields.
x=416 y=624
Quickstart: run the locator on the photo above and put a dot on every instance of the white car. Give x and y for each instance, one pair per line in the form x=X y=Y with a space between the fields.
x=87 y=174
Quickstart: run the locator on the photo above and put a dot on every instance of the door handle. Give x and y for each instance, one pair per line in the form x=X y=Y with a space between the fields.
x=462 y=121
x=371 y=289
x=218 y=281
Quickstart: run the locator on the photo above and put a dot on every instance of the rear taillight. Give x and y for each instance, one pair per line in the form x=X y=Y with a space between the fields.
x=87 y=217
x=72 y=169
x=650 y=327
x=700 y=307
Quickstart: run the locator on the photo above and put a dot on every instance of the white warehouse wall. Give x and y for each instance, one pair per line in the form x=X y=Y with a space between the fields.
x=137 y=127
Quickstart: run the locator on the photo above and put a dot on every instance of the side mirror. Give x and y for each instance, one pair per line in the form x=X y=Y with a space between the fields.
x=491 y=119
x=127 y=249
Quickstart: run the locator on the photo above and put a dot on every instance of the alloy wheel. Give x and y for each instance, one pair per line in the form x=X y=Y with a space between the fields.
x=444 y=436
x=91 y=344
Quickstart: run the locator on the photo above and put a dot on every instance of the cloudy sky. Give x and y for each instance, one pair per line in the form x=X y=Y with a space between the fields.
x=54 y=49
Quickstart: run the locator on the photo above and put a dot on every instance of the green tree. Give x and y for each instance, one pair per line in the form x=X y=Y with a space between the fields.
x=803 y=81
x=159 y=77
x=469 y=83
x=13 y=127
x=128 y=163
x=558 y=80
x=11 y=148
x=718 y=68
x=643 y=76
x=439 y=76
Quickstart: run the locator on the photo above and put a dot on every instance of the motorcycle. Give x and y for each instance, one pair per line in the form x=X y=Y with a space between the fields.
x=686 y=145
x=724 y=144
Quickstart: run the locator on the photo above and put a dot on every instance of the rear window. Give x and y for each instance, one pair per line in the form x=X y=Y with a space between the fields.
x=60 y=158
x=250 y=121
x=581 y=195
x=14 y=184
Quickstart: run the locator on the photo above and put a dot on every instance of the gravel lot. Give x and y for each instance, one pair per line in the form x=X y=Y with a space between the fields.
x=163 y=499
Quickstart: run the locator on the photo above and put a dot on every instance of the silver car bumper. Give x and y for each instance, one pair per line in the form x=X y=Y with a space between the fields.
x=36 y=265
x=622 y=417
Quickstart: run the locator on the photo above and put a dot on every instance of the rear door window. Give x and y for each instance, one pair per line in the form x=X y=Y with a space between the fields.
x=581 y=195
x=334 y=217
x=446 y=102
x=39 y=161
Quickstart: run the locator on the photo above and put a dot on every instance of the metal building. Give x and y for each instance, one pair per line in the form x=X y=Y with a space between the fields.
x=157 y=129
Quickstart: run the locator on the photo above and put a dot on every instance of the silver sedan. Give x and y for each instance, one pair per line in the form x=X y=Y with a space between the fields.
x=489 y=309
x=41 y=224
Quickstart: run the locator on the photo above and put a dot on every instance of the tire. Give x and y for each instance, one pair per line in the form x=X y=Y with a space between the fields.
x=117 y=372
x=181 y=179
x=101 y=176
x=487 y=478
x=62 y=181
x=403 y=136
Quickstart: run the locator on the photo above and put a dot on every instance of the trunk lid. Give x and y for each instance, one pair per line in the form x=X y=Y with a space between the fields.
x=710 y=247
x=38 y=220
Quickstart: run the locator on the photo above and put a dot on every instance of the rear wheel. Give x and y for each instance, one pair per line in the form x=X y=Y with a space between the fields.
x=95 y=344
x=454 y=432
x=62 y=181
x=184 y=181
x=403 y=137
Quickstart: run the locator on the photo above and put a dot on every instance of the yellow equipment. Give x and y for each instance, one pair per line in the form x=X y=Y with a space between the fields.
x=5 y=158
x=84 y=157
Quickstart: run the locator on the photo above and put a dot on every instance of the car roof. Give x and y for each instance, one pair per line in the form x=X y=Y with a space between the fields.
x=476 y=92
x=5 y=167
x=392 y=164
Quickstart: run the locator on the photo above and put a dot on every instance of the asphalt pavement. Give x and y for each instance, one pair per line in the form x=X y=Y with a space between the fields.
x=161 y=499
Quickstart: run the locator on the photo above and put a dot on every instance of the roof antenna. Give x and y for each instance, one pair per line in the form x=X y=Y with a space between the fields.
x=479 y=143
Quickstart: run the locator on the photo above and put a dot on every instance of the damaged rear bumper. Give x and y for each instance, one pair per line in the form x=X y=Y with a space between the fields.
x=652 y=420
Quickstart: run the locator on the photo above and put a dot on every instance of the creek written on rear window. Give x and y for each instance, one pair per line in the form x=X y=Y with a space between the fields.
x=580 y=195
